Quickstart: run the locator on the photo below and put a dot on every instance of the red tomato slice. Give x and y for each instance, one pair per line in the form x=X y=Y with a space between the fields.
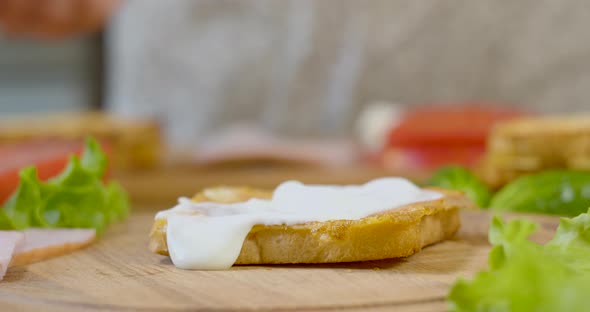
x=438 y=135
x=448 y=125
x=426 y=158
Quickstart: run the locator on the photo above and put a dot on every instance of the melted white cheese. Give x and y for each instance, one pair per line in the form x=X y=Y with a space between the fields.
x=209 y=236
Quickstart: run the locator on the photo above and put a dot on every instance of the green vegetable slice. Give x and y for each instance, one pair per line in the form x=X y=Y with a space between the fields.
x=559 y=192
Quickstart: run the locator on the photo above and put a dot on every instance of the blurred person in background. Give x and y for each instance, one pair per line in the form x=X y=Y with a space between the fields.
x=306 y=67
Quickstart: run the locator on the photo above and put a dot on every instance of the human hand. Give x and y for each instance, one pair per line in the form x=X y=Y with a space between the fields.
x=54 y=18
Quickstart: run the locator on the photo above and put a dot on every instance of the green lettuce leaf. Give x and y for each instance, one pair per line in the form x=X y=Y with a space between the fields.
x=21 y=206
x=85 y=171
x=117 y=201
x=76 y=198
x=525 y=276
x=94 y=159
x=75 y=207
x=572 y=242
x=572 y=233
x=462 y=179
x=530 y=281
x=5 y=222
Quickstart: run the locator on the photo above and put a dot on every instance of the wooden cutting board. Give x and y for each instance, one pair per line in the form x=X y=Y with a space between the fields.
x=119 y=273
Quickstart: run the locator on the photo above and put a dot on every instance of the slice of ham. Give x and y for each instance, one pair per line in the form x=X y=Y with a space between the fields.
x=9 y=240
x=34 y=245
x=41 y=244
x=243 y=143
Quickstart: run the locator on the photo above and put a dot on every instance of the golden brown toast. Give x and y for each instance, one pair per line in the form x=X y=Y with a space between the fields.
x=533 y=144
x=400 y=232
x=135 y=142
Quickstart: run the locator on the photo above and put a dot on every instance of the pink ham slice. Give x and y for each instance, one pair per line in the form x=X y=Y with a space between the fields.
x=34 y=245
x=41 y=244
x=9 y=240
x=244 y=143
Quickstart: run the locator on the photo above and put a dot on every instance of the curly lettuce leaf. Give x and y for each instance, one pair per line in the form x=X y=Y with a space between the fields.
x=117 y=201
x=94 y=160
x=75 y=198
x=572 y=233
x=530 y=281
x=572 y=242
x=82 y=207
x=516 y=231
x=87 y=170
x=525 y=276
x=21 y=206
x=5 y=222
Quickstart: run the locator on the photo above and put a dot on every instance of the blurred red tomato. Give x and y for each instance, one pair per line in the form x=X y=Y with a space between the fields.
x=437 y=135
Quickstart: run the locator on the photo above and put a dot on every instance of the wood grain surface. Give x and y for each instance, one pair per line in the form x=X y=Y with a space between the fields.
x=119 y=273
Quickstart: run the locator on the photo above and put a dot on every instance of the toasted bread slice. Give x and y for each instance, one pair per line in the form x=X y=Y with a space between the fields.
x=399 y=232
x=135 y=142
x=533 y=144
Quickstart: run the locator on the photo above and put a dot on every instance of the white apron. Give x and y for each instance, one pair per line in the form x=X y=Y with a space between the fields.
x=306 y=67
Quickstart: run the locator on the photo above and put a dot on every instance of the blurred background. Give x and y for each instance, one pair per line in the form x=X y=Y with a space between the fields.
x=401 y=86
x=42 y=76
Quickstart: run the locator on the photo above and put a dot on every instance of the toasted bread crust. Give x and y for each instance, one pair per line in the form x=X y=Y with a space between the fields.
x=528 y=145
x=396 y=233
